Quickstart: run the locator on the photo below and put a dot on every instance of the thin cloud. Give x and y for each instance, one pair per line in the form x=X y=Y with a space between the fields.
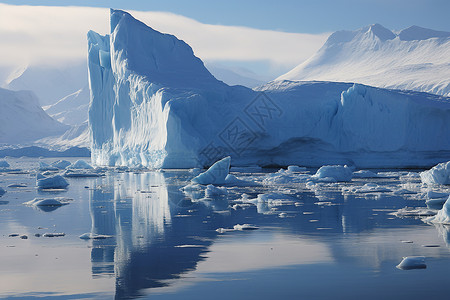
x=55 y=35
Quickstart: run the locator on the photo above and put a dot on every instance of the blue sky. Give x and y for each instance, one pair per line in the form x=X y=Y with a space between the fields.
x=312 y=16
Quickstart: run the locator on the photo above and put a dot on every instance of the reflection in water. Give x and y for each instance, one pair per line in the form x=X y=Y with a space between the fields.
x=148 y=230
x=159 y=233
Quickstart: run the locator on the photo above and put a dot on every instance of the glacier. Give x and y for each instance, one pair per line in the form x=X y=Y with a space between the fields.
x=154 y=104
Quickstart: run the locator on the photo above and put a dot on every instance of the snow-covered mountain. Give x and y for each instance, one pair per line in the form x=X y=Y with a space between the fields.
x=71 y=109
x=414 y=59
x=22 y=120
x=155 y=104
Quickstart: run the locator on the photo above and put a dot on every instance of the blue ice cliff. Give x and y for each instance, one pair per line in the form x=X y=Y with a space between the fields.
x=153 y=103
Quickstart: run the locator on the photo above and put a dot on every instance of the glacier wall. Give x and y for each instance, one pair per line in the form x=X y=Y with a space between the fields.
x=153 y=103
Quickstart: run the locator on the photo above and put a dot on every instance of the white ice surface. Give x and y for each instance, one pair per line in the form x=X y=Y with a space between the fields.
x=412 y=262
x=443 y=215
x=216 y=174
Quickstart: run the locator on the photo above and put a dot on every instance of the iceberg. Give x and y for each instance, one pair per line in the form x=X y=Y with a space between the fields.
x=154 y=104
x=51 y=182
x=80 y=164
x=216 y=174
x=439 y=174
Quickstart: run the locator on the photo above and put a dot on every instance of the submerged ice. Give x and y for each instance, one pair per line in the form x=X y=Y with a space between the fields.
x=154 y=104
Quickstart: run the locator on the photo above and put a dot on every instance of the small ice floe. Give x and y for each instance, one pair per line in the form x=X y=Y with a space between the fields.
x=213 y=191
x=364 y=174
x=94 y=236
x=238 y=227
x=80 y=164
x=443 y=215
x=439 y=174
x=24 y=237
x=407 y=242
x=51 y=182
x=274 y=199
x=242 y=206
x=81 y=173
x=285 y=177
x=296 y=169
x=335 y=173
x=431 y=246
x=54 y=234
x=414 y=212
x=282 y=215
x=58 y=201
x=245 y=227
x=43 y=166
x=13 y=235
x=365 y=189
x=412 y=262
x=2 y=191
x=17 y=185
x=61 y=164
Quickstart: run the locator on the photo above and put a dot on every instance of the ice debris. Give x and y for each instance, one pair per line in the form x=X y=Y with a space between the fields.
x=364 y=174
x=59 y=201
x=54 y=234
x=4 y=164
x=212 y=191
x=2 y=191
x=61 y=164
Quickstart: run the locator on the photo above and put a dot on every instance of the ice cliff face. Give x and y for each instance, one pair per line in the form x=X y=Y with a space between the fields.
x=153 y=103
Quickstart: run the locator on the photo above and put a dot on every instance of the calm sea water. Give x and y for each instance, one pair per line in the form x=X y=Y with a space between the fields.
x=324 y=244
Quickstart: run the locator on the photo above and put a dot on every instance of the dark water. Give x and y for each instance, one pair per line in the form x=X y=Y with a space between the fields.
x=164 y=244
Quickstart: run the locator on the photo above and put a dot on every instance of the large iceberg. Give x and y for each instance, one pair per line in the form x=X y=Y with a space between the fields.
x=153 y=103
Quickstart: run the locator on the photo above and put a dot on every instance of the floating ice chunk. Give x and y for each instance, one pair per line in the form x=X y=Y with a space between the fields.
x=212 y=191
x=276 y=199
x=412 y=262
x=61 y=164
x=367 y=188
x=414 y=212
x=54 y=234
x=439 y=174
x=52 y=182
x=47 y=202
x=4 y=164
x=17 y=185
x=337 y=172
x=436 y=199
x=443 y=215
x=434 y=195
x=284 y=177
x=93 y=236
x=43 y=166
x=245 y=227
x=24 y=237
x=364 y=174
x=81 y=173
x=216 y=174
x=296 y=169
x=80 y=164
x=2 y=191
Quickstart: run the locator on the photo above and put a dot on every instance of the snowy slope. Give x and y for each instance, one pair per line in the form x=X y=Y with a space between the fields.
x=72 y=109
x=50 y=84
x=155 y=104
x=23 y=120
x=414 y=59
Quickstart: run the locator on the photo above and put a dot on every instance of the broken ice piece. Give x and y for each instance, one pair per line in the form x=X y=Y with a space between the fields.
x=54 y=234
x=412 y=262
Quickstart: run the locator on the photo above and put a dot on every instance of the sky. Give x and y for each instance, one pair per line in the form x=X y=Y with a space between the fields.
x=266 y=37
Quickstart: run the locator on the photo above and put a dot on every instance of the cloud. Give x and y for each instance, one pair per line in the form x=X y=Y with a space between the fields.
x=55 y=35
